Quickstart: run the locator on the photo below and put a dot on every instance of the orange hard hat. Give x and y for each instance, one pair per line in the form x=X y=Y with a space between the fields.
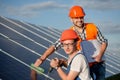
x=76 y=11
x=68 y=34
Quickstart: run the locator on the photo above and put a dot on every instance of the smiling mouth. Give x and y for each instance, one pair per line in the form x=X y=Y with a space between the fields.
x=68 y=50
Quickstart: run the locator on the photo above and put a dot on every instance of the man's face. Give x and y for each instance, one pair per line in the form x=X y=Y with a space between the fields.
x=78 y=21
x=68 y=46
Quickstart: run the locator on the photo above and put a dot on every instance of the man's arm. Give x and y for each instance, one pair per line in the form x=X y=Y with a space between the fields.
x=104 y=44
x=102 y=51
x=40 y=60
x=48 y=52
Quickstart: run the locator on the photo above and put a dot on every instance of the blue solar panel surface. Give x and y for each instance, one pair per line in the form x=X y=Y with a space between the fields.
x=21 y=43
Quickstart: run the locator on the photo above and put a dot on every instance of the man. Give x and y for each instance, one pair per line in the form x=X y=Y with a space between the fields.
x=87 y=32
x=78 y=68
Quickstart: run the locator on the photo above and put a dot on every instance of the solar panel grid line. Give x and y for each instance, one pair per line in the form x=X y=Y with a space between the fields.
x=39 y=30
x=45 y=29
x=115 y=50
x=113 y=73
x=25 y=47
x=18 y=25
x=112 y=60
x=118 y=51
x=30 y=39
x=57 y=30
x=115 y=60
x=54 y=30
x=116 y=57
x=24 y=63
x=112 y=53
x=22 y=45
x=113 y=67
x=28 y=27
x=50 y=31
x=33 y=40
x=23 y=35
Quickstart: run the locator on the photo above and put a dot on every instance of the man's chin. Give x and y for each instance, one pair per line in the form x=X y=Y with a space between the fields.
x=79 y=26
x=68 y=53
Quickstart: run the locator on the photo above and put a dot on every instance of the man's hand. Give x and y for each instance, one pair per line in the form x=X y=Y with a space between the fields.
x=98 y=58
x=54 y=63
x=63 y=62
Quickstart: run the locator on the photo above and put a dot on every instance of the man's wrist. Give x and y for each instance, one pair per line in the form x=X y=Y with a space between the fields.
x=41 y=58
x=56 y=67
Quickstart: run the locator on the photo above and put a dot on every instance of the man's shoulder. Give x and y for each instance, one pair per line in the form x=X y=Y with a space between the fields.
x=71 y=27
x=90 y=25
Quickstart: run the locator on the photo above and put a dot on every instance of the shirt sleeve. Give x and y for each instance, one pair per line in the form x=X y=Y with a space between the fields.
x=57 y=44
x=100 y=37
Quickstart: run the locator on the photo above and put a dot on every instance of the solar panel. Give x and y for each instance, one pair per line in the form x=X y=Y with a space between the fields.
x=21 y=43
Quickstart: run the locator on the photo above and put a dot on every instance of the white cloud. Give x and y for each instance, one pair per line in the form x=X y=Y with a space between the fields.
x=99 y=4
x=109 y=27
x=30 y=10
x=44 y=5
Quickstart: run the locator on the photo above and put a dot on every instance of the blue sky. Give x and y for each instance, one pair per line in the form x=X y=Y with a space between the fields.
x=54 y=13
